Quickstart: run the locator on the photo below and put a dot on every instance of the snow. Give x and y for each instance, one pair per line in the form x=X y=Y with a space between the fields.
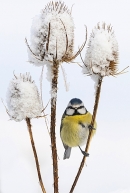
x=52 y=38
x=102 y=50
x=108 y=167
x=52 y=35
x=23 y=99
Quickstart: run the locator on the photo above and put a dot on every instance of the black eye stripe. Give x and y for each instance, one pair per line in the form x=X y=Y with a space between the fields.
x=71 y=108
x=80 y=107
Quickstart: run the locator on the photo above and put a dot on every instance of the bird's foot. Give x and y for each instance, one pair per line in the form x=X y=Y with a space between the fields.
x=91 y=127
x=84 y=152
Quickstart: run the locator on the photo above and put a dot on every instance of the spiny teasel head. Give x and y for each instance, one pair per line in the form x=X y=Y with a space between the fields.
x=23 y=100
x=52 y=35
x=102 y=53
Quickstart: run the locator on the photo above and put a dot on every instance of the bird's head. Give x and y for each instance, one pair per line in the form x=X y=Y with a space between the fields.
x=75 y=107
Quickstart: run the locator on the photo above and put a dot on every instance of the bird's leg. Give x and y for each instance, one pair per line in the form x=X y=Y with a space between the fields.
x=83 y=152
x=91 y=127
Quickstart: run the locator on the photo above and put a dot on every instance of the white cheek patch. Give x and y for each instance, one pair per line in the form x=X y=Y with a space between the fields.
x=70 y=111
x=81 y=111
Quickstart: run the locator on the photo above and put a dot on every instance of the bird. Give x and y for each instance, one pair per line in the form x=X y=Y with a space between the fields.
x=75 y=126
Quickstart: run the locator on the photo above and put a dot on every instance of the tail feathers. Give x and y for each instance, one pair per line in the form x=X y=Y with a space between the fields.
x=67 y=152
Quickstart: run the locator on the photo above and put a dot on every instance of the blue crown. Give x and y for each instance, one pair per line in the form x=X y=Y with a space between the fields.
x=75 y=101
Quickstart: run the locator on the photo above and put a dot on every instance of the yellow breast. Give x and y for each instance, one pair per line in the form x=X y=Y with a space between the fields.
x=72 y=133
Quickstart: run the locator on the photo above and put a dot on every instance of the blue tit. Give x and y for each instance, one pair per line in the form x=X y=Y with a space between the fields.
x=75 y=126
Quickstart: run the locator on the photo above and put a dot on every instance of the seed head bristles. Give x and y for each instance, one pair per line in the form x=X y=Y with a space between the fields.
x=71 y=8
x=58 y=7
x=102 y=52
x=5 y=107
x=36 y=57
x=67 y=59
x=52 y=35
x=23 y=98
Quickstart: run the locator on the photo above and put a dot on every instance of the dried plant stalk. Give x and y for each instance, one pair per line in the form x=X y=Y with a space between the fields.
x=52 y=42
x=35 y=154
x=90 y=133
x=53 y=122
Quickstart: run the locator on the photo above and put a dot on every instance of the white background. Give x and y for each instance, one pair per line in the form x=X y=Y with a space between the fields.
x=108 y=167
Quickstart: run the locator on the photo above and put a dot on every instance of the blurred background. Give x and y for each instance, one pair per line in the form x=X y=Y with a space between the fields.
x=107 y=169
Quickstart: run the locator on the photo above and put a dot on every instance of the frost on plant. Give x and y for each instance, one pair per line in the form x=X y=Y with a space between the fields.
x=23 y=98
x=102 y=52
x=52 y=35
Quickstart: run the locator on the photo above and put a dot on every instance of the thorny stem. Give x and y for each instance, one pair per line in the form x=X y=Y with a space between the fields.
x=90 y=133
x=53 y=123
x=35 y=154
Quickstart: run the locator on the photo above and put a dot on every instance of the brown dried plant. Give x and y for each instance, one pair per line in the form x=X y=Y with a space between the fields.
x=112 y=70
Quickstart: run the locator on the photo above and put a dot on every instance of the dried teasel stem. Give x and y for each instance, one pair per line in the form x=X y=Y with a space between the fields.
x=41 y=78
x=53 y=122
x=64 y=77
x=35 y=154
x=90 y=133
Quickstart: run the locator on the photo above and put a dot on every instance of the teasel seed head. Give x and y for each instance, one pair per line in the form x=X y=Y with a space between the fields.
x=52 y=35
x=102 y=53
x=23 y=100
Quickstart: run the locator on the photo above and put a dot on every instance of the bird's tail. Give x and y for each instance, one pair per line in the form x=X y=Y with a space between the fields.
x=67 y=153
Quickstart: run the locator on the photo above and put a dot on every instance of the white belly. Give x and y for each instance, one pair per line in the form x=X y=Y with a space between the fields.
x=83 y=135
